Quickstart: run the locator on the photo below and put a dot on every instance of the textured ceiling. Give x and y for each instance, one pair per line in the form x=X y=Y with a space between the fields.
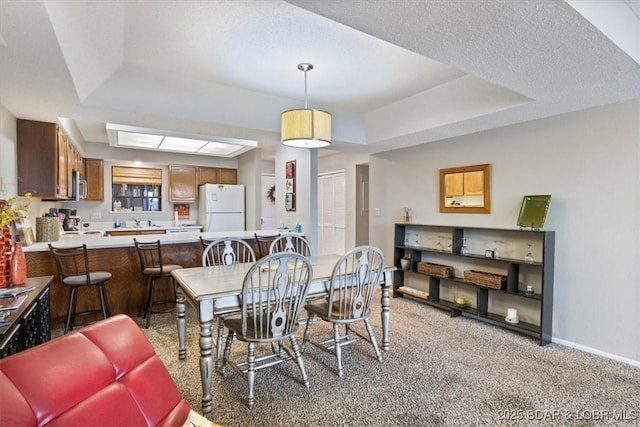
x=393 y=74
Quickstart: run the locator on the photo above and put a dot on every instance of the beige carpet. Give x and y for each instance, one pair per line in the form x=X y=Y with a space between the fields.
x=440 y=371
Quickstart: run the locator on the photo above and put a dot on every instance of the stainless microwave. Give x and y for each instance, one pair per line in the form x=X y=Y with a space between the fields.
x=79 y=186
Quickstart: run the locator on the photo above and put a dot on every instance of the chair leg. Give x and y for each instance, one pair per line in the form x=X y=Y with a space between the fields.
x=152 y=285
x=251 y=372
x=307 y=331
x=146 y=303
x=372 y=338
x=104 y=304
x=338 y=348
x=72 y=309
x=298 y=356
x=227 y=352
x=174 y=287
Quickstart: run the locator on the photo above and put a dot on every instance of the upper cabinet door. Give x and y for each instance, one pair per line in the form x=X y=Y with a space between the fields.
x=209 y=175
x=41 y=160
x=94 y=174
x=183 y=185
x=227 y=176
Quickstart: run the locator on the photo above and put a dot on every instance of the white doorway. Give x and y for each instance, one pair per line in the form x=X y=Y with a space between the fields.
x=268 y=205
x=331 y=213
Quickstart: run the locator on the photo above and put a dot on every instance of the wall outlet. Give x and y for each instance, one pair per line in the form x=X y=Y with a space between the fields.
x=96 y=215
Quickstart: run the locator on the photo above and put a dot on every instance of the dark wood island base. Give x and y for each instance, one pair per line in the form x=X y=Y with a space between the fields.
x=126 y=290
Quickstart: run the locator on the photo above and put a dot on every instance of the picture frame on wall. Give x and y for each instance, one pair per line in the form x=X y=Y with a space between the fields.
x=290 y=186
x=290 y=169
x=290 y=201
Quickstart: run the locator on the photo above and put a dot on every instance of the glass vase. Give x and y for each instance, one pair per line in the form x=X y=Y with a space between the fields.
x=18 y=265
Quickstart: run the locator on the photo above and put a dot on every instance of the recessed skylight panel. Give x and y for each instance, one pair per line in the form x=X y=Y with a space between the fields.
x=181 y=144
x=142 y=140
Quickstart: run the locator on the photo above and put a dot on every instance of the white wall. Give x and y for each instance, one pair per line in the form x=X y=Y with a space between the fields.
x=306 y=186
x=249 y=175
x=8 y=167
x=589 y=162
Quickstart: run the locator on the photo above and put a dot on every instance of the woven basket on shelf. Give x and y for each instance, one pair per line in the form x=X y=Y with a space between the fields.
x=488 y=280
x=437 y=270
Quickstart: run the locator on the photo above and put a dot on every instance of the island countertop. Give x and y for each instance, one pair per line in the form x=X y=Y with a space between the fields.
x=127 y=288
x=94 y=241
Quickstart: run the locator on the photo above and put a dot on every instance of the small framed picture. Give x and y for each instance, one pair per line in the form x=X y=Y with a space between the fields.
x=290 y=201
x=290 y=169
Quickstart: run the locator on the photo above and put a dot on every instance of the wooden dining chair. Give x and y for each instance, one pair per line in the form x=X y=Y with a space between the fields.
x=273 y=295
x=290 y=243
x=353 y=283
x=227 y=251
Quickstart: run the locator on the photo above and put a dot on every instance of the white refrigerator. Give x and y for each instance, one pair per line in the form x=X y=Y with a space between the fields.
x=221 y=207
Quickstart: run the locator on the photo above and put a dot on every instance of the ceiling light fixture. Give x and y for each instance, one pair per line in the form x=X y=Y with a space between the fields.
x=139 y=138
x=306 y=128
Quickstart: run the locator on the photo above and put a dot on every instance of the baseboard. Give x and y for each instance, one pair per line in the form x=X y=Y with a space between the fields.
x=581 y=347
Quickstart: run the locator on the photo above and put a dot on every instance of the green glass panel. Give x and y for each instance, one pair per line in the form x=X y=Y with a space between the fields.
x=533 y=211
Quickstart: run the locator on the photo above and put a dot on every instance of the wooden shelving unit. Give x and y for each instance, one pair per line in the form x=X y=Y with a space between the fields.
x=525 y=257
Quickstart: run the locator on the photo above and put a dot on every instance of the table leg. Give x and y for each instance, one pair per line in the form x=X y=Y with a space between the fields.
x=181 y=309
x=386 y=313
x=206 y=359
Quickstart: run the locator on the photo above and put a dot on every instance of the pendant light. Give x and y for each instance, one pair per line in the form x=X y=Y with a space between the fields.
x=306 y=128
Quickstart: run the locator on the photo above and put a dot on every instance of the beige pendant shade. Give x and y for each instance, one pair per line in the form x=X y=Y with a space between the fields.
x=306 y=128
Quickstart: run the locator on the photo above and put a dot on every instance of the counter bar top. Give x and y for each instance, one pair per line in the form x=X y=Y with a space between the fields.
x=102 y=242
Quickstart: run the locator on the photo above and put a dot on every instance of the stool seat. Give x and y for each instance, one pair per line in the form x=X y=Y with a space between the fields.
x=153 y=267
x=95 y=277
x=158 y=272
x=73 y=271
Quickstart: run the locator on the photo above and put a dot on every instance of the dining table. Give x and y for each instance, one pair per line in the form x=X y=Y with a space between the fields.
x=216 y=291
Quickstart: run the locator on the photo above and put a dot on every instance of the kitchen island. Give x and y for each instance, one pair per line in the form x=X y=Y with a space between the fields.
x=126 y=290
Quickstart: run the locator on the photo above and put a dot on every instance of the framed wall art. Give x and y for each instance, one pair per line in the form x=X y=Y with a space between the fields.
x=533 y=211
x=290 y=186
x=466 y=189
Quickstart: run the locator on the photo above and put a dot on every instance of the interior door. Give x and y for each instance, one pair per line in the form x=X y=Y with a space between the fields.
x=331 y=213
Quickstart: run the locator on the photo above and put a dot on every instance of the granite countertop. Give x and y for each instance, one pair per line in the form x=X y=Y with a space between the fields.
x=94 y=241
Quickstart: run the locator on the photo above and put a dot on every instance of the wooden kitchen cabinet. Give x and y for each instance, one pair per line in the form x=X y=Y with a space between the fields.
x=94 y=174
x=183 y=184
x=209 y=175
x=228 y=176
x=42 y=154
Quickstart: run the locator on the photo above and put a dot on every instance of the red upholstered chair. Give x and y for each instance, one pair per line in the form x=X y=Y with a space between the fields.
x=106 y=374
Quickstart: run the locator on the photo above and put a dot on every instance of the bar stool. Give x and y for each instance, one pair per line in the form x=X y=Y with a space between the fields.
x=73 y=270
x=263 y=243
x=151 y=266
